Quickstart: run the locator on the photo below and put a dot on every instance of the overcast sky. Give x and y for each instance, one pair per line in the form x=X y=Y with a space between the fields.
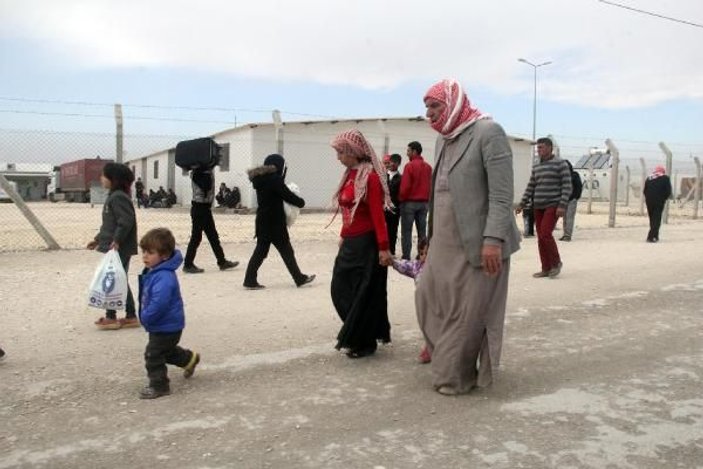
x=614 y=73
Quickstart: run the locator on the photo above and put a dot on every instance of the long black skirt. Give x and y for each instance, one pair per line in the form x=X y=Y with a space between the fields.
x=359 y=294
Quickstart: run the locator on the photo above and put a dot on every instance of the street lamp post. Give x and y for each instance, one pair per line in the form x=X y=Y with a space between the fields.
x=534 y=97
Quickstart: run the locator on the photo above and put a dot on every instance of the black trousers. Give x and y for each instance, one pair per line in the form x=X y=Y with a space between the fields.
x=392 y=222
x=130 y=310
x=528 y=218
x=654 y=210
x=261 y=251
x=202 y=220
x=163 y=349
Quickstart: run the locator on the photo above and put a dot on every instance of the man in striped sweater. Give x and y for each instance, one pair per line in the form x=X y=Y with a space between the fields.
x=550 y=189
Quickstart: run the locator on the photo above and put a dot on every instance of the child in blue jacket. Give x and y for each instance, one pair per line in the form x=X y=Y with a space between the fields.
x=161 y=312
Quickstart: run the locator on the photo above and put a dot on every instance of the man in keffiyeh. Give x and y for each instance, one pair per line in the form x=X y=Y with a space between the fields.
x=461 y=296
x=657 y=189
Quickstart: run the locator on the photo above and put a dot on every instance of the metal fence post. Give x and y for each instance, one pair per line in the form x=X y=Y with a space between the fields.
x=674 y=185
x=278 y=126
x=627 y=186
x=31 y=218
x=643 y=179
x=697 y=193
x=119 y=134
x=614 y=176
x=591 y=177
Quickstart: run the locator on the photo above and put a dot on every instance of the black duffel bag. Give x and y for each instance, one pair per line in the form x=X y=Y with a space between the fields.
x=198 y=153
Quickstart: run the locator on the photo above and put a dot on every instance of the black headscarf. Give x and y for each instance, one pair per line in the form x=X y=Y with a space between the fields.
x=277 y=161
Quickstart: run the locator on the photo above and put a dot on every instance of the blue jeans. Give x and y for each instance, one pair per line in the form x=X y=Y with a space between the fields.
x=412 y=212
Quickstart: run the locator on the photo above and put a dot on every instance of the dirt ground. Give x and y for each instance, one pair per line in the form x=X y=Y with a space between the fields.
x=602 y=367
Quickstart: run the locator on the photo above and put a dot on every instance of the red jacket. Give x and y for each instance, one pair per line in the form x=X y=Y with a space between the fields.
x=416 y=181
x=369 y=214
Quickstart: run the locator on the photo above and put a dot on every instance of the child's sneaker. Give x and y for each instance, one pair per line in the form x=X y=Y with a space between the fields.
x=129 y=322
x=152 y=393
x=189 y=369
x=106 y=324
x=424 y=356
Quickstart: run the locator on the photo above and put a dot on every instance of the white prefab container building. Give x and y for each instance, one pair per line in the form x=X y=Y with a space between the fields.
x=30 y=179
x=312 y=163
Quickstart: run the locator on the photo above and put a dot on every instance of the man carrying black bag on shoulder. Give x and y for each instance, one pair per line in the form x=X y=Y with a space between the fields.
x=203 y=184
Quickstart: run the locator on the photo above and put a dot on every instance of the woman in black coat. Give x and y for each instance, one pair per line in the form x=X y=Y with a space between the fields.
x=657 y=189
x=271 y=227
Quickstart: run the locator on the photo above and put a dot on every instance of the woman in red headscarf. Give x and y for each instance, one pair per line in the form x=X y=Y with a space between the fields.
x=657 y=188
x=360 y=269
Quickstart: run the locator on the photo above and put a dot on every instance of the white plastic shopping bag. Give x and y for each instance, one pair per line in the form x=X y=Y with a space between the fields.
x=108 y=290
x=291 y=210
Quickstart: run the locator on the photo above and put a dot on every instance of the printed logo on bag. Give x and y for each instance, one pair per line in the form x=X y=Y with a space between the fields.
x=109 y=282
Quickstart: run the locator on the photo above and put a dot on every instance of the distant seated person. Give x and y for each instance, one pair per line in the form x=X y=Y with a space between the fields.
x=161 y=198
x=222 y=194
x=153 y=198
x=233 y=198
x=228 y=198
x=171 y=197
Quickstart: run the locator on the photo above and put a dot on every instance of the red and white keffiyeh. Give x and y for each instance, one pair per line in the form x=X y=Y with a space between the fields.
x=353 y=142
x=458 y=113
x=658 y=171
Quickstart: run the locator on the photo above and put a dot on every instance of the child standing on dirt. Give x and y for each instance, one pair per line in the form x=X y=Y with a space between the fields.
x=413 y=269
x=161 y=312
x=118 y=231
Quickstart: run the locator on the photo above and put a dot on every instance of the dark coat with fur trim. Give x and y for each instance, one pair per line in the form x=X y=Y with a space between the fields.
x=271 y=192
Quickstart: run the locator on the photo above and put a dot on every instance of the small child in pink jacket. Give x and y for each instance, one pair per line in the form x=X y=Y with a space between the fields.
x=413 y=269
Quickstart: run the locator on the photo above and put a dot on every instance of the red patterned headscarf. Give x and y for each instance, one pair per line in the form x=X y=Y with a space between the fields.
x=458 y=113
x=354 y=143
x=658 y=171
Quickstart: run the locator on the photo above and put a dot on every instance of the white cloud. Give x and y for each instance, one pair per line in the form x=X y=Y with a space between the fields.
x=603 y=56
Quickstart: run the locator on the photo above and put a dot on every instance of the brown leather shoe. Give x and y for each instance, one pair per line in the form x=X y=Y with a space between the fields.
x=541 y=274
x=106 y=324
x=129 y=322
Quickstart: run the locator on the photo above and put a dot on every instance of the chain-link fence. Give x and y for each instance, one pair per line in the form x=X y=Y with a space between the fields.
x=28 y=157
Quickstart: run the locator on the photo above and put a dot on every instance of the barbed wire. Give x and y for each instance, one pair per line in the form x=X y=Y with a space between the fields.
x=160 y=106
